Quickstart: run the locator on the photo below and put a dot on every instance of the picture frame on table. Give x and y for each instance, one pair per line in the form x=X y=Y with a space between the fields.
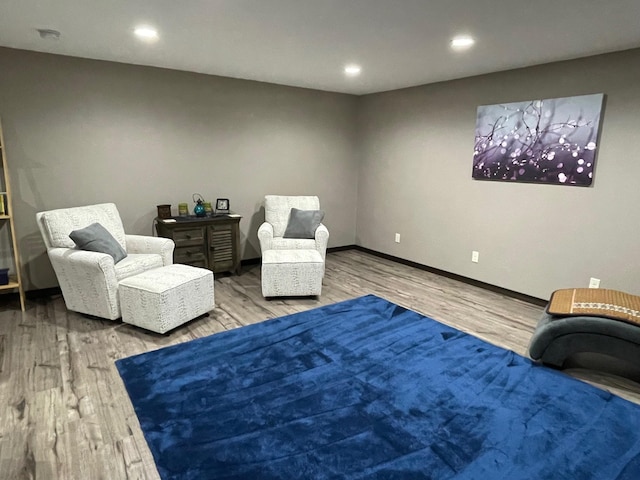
x=222 y=205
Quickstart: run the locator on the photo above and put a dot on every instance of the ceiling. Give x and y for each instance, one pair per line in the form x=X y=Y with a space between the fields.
x=307 y=43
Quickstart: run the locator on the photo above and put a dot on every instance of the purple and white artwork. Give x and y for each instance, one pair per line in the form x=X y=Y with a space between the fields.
x=546 y=141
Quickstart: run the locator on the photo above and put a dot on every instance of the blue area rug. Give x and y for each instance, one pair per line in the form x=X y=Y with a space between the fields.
x=367 y=389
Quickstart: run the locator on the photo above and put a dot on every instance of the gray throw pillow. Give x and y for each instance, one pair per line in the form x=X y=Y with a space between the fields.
x=303 y=223
x=96 y=238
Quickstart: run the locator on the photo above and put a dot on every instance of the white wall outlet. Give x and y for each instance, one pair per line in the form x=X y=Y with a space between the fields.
x=594 y=283
x=475 y=256
x=397 y=238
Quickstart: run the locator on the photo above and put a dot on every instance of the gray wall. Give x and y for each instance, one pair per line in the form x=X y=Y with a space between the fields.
x=415 y=179
x=79 y=132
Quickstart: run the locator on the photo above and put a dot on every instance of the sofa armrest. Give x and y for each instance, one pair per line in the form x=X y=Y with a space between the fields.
x=322 y=240
x=146 y=244
x=265 y=235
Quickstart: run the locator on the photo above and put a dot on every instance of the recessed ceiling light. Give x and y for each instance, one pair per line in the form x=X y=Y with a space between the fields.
x=462 y=42
x=352 y=70
x=146 y=33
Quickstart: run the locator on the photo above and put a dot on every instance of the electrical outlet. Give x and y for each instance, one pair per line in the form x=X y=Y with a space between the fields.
x=475 y=256
x=594 y=283
x=397 y=238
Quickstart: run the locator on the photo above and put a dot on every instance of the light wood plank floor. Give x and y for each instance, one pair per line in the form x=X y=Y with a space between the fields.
x=65 y=413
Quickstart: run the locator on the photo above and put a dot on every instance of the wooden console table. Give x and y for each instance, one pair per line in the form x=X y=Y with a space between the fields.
x=211 y=242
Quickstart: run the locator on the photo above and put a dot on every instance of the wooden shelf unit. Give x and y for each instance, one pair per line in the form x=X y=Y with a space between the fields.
x=6 y=221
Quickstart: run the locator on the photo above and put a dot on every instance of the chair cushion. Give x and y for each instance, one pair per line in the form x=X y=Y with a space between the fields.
x=303 y=223
x=136 y=263
x=96 y=238
x=293 y=243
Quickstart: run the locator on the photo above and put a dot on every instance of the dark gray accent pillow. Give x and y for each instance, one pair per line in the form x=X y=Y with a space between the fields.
x=303 y=223
x=96 y=238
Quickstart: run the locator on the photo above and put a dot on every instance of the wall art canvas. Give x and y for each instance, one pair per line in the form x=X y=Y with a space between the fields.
x=546 y=141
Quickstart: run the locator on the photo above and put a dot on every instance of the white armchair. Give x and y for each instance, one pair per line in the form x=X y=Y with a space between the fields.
x=89 y=280
x=276 y=213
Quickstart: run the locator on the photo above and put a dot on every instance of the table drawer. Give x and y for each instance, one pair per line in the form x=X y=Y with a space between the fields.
x=188 y=236
x=189 y=254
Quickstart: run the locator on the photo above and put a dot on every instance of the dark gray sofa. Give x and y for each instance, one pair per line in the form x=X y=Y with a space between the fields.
x=558 y=338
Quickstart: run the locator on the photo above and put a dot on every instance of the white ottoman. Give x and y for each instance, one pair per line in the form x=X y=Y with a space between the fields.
x=166 y=297
x=292 y=273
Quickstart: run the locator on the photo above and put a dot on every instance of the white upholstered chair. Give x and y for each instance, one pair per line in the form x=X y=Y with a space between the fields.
x=89 y=280
x=276 y=214
x=292 y=266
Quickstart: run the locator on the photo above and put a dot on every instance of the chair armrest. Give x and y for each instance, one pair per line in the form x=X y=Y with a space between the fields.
x=82 y=259
x=265 y=235
x=322 y=240
x=87 y=280
x=146 y=244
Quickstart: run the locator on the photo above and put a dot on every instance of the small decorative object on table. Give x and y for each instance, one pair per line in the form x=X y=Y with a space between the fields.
x=183 y=209
x=222 y=205
x=164 y=211
x=199 y=210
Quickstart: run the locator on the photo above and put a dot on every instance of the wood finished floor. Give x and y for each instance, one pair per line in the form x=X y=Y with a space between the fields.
x=65 y=414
